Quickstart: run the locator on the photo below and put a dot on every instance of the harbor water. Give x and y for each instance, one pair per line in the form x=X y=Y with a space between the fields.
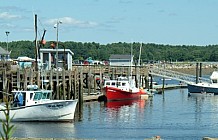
x=173 y=116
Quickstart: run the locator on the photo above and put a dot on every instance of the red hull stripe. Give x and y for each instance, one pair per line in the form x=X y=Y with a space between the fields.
x=117 y=94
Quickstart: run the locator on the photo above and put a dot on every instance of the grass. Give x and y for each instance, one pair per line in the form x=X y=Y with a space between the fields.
x=8 y=128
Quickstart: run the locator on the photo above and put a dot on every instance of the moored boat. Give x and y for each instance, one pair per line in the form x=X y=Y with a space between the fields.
x=36 y=105
x=205 y=88
x=122 y=89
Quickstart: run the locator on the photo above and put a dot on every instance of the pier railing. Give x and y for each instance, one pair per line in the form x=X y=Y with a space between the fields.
x=186 y=78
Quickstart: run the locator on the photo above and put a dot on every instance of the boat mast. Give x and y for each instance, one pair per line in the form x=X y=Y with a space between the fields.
x=140 y=50
x=138 y=84
x=36 y=53
x=131 y=61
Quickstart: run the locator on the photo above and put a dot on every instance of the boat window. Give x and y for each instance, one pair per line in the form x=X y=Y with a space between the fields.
x=44 y=95
x=37 y=96
x=48 y=95
x=123 y=84
x=19 y=99
x=214 y=80
x=113 y=83
x=107 y=83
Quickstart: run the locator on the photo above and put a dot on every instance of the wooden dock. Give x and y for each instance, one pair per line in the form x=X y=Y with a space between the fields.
x=67 y=84
x=71 y=84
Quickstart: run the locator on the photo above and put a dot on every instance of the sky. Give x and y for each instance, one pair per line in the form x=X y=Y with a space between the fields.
x=168 y=22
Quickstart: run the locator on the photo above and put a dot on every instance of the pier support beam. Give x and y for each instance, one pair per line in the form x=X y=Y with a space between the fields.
x=197 y=76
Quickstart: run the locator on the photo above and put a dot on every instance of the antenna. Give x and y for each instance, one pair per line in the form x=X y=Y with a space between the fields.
x=131 y=61
x=140 y=51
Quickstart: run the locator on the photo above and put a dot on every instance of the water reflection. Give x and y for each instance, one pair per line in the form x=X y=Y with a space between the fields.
x=205 y=109
x=124 y=111
x=119 y=104
x=174 y=116
x=44 y=129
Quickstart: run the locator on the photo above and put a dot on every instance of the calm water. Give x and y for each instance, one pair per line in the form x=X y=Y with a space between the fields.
x=172 y=116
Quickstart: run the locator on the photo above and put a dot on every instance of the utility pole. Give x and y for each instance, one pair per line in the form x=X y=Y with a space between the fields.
x=7 y=33
x=57 y=76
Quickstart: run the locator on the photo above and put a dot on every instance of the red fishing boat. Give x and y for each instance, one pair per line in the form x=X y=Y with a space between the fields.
x=122 y=89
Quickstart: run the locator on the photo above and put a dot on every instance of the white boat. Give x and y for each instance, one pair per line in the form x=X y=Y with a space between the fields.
x=36 y=105
x=205 y=88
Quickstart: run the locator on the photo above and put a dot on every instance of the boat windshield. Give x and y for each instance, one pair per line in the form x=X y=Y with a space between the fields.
x=214 y=80
x=41 y=95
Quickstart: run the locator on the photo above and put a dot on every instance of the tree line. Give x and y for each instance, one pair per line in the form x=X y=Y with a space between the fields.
x=149 y=51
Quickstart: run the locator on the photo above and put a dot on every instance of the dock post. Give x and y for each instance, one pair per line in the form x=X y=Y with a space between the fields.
x=64 y=84
x=57 y=85
x=25 y=79
x=69 y=86
x=18 y=80
x=80 y=94
x=163 y=85
x=101 y=78
x=197 y=76
x=151 y=82
x=147 y=81
x=89 y=81
x=200 y=70
x=51 y=80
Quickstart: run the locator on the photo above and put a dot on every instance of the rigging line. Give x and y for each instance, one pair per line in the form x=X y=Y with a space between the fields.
x=41 y=24
x=39 y=33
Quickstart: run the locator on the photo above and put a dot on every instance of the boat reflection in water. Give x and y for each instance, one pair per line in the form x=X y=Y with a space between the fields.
x=125 y=111
x=122 y=103
x=44 y=130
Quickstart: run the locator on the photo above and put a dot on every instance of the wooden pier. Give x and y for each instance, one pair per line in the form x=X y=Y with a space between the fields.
x=72 y=84
x=67 y=84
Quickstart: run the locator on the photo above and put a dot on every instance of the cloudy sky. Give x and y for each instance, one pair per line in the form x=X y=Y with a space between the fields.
x=174 y=22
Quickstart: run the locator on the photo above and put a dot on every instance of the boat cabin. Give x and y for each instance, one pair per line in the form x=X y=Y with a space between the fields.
x=214 y=77
x=31 y=96
x=121 y=82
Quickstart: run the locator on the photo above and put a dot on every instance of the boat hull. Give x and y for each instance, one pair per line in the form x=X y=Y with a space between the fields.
x=115 y=94
x=54 y=110
x=203 y=88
